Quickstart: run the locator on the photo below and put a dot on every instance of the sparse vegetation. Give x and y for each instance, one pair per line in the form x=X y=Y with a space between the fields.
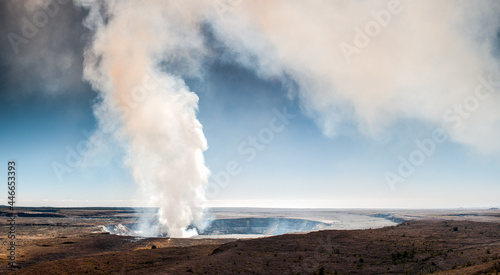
x=403 y=256
x=496 y=267
x=421 y=246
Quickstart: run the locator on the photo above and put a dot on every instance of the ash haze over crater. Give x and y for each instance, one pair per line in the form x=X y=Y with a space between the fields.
x=353 y=67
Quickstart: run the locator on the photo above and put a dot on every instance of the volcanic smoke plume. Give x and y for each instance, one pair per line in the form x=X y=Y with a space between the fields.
x=152 y=112
x=407 y=60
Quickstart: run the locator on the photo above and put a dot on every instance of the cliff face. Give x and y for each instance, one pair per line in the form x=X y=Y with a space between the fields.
x=264 y=226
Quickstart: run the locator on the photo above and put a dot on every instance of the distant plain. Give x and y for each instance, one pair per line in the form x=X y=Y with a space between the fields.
x=74 y=240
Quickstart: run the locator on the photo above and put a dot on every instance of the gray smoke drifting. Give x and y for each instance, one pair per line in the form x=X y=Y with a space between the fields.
x=41 y=40
x=362 y=63
x=371 y=63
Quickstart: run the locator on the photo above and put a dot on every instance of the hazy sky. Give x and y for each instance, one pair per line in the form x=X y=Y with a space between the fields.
x=290 y=119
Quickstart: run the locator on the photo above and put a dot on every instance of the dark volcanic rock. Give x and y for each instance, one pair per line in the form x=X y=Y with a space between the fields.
x=417 y=247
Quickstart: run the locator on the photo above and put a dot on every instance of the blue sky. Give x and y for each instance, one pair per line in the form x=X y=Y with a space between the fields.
x=299 y=166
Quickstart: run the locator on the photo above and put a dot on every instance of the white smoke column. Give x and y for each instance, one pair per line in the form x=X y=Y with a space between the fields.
x=152 y=112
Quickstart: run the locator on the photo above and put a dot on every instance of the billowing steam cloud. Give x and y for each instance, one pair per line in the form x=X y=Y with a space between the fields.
x=361 y=63
x=152 y=112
